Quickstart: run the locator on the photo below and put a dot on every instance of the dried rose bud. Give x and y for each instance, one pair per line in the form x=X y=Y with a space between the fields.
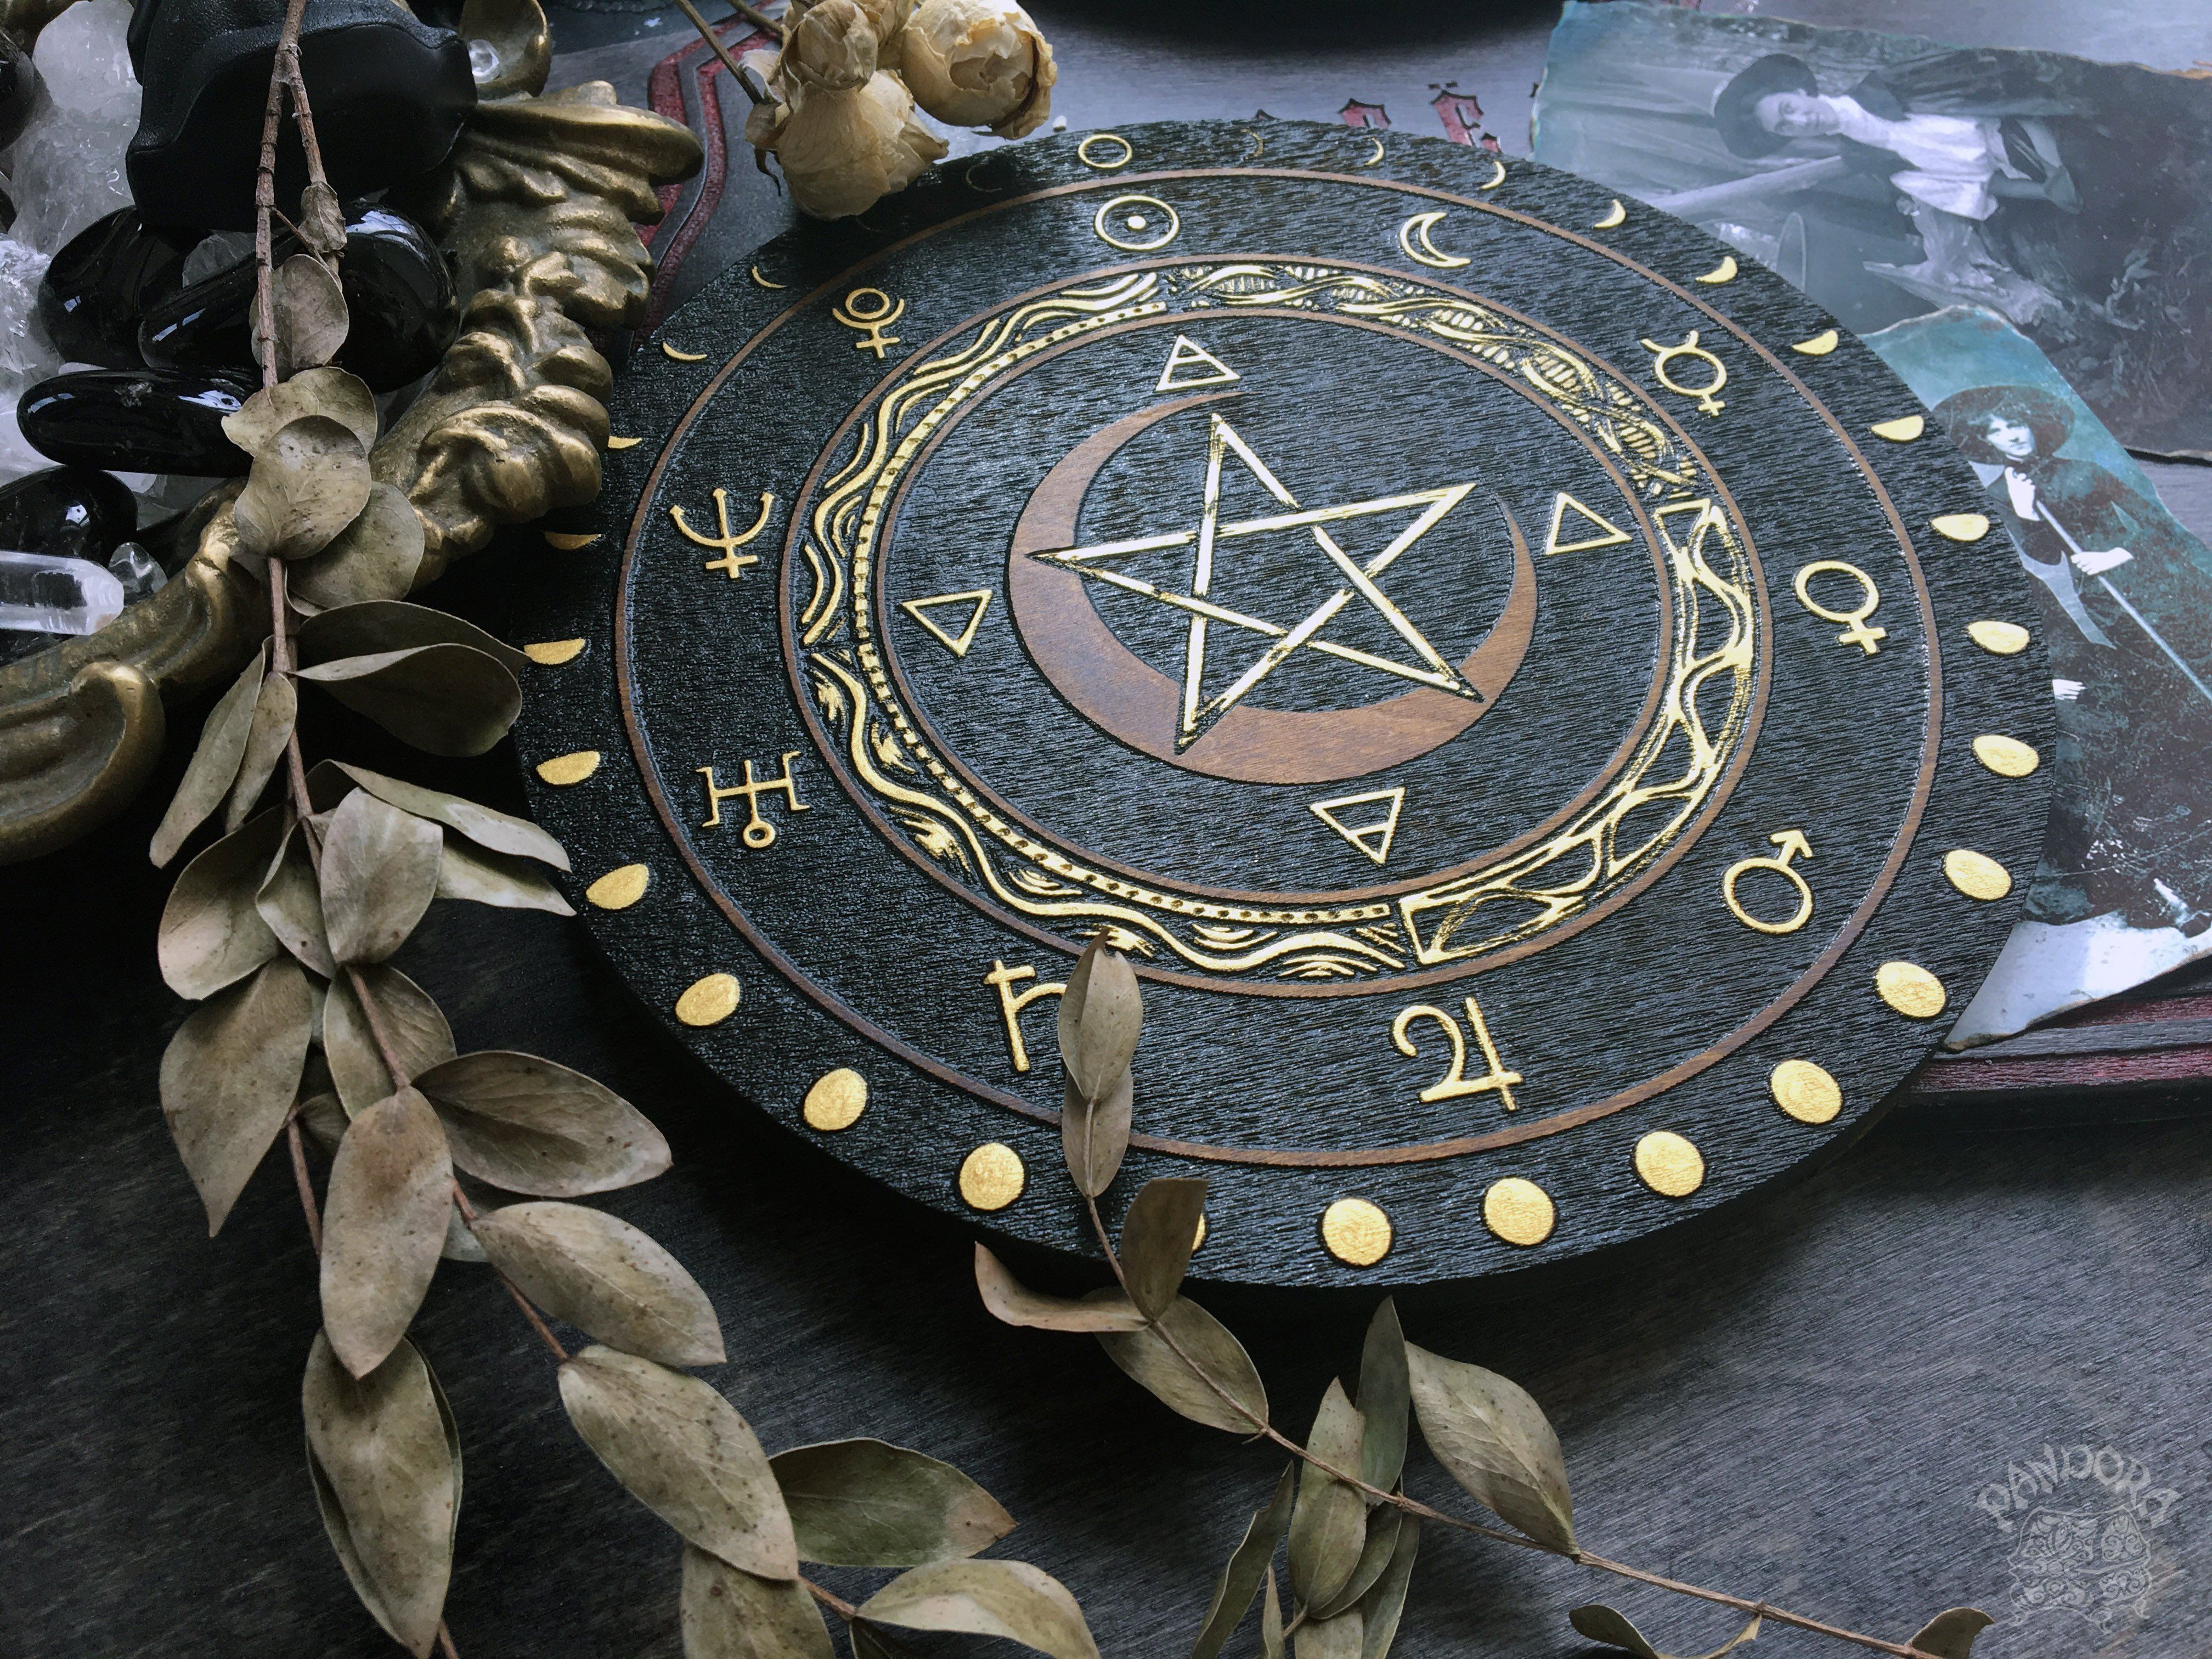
x=887 y=18
x=833 y=46
x=978 y=64
x=844 y=151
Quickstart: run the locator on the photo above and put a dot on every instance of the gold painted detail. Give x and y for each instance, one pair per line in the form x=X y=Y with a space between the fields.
x=1793 y=845
x=709 y=1001
x=570 y=541
x=1999 y=638
x=2008 y=757
x=1902 y=430
x=1703 y=553
x=1190 y=364
x=1374 y=160
x=614 y=442
x=1011 y=1002
x=1664 y=354
x=836 y=1100
x=1856 y=632
x=978 y=599
x=1613 y=215
x=1137 y=224
x=1496 y=176
x=1805 y=1091
x=620 y=887
x=670 y=350
x=1519 y=1211
x=1911 y=989
x=758 y=833
x=764 y=281
x=1105 y=144
x=1456 y=1083
x=551 y=653
x=1819 y=345
x=882 y=311
x=992 y=1176
x=1373 y=839
x=1669 y=1164
x=1722 y=272
x=1976 y=874
x=1355 y=1232
x=1961 y=526
x=1595 y=529
x=1415 y=241
x=733 y=563
x=562 y=769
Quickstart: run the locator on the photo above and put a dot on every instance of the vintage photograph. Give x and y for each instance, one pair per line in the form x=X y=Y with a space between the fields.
x=1890 y=176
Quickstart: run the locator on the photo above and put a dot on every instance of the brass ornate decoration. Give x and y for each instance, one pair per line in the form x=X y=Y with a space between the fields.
x=536 y=205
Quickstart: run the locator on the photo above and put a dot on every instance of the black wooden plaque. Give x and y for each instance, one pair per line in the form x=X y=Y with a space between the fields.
x=1535 y=703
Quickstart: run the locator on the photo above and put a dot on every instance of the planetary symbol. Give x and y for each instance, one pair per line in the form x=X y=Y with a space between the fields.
x=1856 y=632
x=882 y=312
x=733 y=563
x=1689 y=348
x=1793 y=845
x=1413 y=241
x=1197 y=712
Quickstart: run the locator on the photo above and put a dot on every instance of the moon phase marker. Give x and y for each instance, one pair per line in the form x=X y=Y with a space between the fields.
x=1613 y=215
x=1496 y=178
x=1376 y=160
x=670 y=351
x=1722 y=272
x=764 y=281
x=1413 y=240
x=1819 y=346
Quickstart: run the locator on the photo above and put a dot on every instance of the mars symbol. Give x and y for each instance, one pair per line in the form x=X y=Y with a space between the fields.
x=1540 y=797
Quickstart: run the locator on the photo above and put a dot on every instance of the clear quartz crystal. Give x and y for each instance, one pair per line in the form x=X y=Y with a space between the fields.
x=67 y=168
x=57 y=596
x=134 y=567
x=216 y=251
x=25 y=354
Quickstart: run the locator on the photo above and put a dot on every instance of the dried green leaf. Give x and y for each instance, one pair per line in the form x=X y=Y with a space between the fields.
x=1223 y=1367
x=308 y=483
x=1335 y=1638
x=1384 y=1397
x=604 y=1276
x=729 y=1614
x=684 y=1452
x=1950 y=1634
x=863 y=1503
x=467 y=871
x=417 y=1030
x=211 y=934
x=497 y=832
x=1240 y=1579
x=1157 y=1236
x=323 y=1118
x=1100 y=1018
x=375 y=557
x=530 y=1126
x=330 y=391
x=380 y=874
x=1329 y=1526
x=1609 y=1626
x=1010 y=1599
x=384 y=1224
x=443 y=699
x=290 y=903
x=1271 y=1619
x=1385 y=1604
x=1374 y=1555
x=1496 y=1442
x=322 y=222
x=311 y=315
x=1012 y=1301
x=1095 y=1135
x=275 y=709
x=376 y=625
x=229 y=1076
x=387 y=1473
x=215 y=763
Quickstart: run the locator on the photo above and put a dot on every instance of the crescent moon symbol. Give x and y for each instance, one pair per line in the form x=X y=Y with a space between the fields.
x=967 y=178
x=1613 y=215
x=674 y=356
x=1417 y=229
x=1137 y=703
x=1374 y=159
x=764 y=281
x=1495 y=178
x=1259 y=144
x=1722 y=272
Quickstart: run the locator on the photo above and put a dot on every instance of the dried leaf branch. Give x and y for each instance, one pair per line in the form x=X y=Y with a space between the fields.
x=1340 y=1509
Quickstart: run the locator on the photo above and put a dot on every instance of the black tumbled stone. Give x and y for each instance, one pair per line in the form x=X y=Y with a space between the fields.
x=102 y=281
x=145 y=420
x=68 y=512
x=19 y=90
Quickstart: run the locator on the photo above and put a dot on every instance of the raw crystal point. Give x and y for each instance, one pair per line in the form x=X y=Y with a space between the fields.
x=84 y=59
x=19 y=89
x=68 y=512
x=97 y=287
x=147 y=420
x=134 y=567
x=26 y=355
x=66 y=170
x=389 y=93
x=57 y=596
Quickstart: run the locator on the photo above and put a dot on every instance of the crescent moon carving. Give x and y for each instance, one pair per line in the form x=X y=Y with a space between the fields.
x=1259 y=144
x=1375 y=158
x=1416 y=230
x=967 y=178
x=674 y=356
x=1819 y=345
x=1496 y=178
x=764 y=281
x=1722 y=272
x=1613 y=215
x=1137 y=703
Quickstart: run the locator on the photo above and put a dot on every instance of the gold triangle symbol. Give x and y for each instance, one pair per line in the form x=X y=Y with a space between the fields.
x=1372 y=839
x=1609 y=534
x=957 y=644
x=1188 y=355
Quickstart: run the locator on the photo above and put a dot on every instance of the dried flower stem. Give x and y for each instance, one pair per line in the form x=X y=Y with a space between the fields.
x=707 y=33
x=284 y=74
x=1413 y=1506
x=829 y=1599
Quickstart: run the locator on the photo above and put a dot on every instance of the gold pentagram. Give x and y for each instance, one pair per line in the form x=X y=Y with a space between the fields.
x=1198 y=714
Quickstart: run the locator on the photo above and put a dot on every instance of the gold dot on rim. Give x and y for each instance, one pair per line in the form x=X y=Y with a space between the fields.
x=570 y=769
x=1999 y=638
x=620 y=887
x=709 y=1001
x=551 y=653
x=1519 y=1211
x=2008 y=757
x=1805 y=1091
x=1668 y=1164
x=1961 y=526
x=992 y=1176
x=1911 y=989
x=1356 y=1232
x=836 y=1100
x=1976 y=874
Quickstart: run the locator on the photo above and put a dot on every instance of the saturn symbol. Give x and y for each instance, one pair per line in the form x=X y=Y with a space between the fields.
x=1413 y=239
